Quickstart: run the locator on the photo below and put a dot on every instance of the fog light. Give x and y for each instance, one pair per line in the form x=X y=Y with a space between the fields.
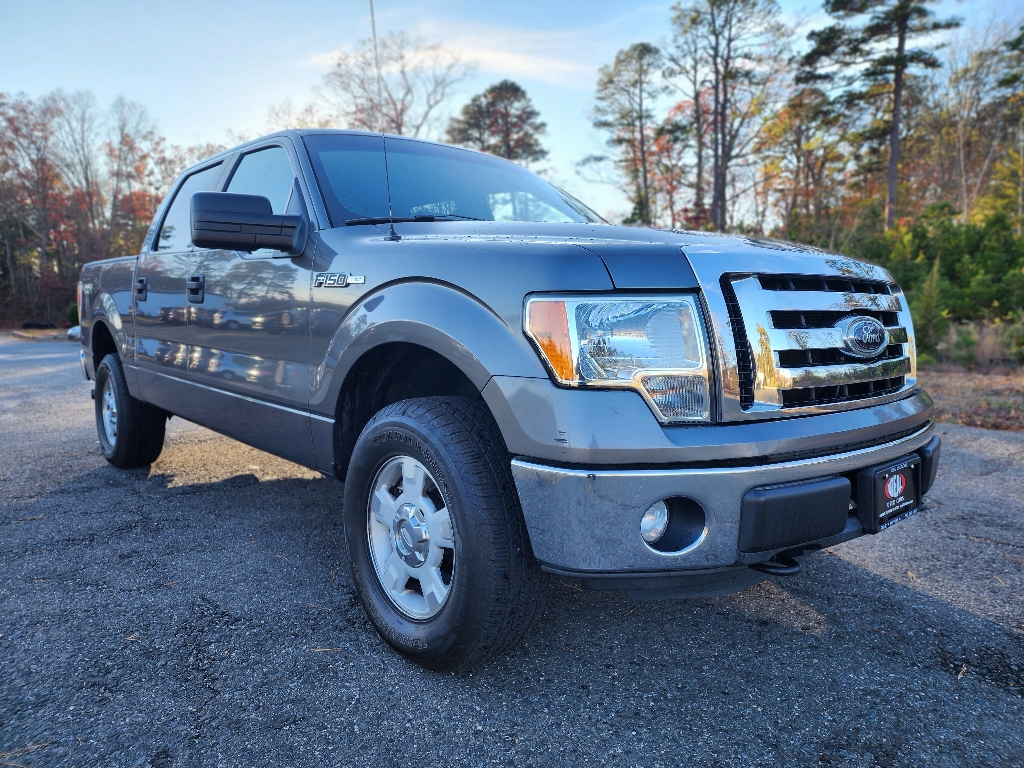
x=654 y=522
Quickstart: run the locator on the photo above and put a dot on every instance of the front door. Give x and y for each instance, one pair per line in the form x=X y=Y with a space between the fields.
x=249 y=324
x=161 y=318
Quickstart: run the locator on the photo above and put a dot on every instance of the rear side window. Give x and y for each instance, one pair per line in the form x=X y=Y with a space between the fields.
x=175 y=231
x=352 y=176
x=267 y=173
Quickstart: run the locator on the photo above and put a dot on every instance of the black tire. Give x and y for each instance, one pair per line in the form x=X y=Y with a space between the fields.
x=497 y=588
x=139 y=435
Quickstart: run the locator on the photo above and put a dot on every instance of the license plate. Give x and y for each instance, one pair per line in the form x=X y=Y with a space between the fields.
x=888 y=493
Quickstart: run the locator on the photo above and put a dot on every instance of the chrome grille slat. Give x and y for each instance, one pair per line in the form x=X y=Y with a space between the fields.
x=866 y=393
x=788 y=318
x=822 y=283
x=822 y=301
x=835 y=375
x=744 y=362
x=821 y=338
x=806 y=358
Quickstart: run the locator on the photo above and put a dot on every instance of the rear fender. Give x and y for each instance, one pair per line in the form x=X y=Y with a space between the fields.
x=107 y=299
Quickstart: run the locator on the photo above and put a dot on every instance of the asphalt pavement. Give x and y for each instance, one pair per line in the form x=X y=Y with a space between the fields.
x=200 y=613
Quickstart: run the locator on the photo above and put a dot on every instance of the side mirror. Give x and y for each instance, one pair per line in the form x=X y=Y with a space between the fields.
x=245 y=223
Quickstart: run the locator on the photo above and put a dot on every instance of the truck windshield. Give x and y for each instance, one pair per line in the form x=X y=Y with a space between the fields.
x=431 y=181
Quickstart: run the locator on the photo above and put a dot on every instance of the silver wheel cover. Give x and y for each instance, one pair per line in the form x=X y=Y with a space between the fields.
x=411 y=538
x=108 y=411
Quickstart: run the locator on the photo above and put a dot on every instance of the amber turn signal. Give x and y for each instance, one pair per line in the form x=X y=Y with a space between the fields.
x=549 y=327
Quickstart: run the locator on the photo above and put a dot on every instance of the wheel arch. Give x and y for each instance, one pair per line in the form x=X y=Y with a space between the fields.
x=386 y=374
x=101 y=341
x=455 y=342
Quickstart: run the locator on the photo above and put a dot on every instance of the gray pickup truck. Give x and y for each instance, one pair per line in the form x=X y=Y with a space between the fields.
x=506 y=384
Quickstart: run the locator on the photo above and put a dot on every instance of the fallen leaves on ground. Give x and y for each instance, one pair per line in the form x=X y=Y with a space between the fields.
x=989 y=400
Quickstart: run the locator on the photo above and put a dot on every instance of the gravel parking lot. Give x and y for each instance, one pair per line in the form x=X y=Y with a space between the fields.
x=200 y=613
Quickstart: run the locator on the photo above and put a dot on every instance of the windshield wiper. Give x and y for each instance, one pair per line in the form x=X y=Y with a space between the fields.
x=385 y=220
x=407 y=219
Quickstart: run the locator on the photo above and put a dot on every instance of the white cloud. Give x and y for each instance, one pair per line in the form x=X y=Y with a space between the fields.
x=563 y=58
x=552 y=57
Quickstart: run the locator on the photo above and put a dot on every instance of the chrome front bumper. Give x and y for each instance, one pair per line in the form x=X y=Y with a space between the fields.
x=588 y=520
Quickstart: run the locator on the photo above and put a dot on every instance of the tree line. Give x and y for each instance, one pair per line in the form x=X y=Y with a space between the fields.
x=885 y=134
x=78 y=183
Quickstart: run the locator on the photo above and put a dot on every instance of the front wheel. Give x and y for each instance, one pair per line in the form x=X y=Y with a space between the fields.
x=131 y=432
x=440 y=555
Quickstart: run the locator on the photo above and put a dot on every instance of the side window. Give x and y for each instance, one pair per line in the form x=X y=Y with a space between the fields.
x=268 y=173
x=175 y=232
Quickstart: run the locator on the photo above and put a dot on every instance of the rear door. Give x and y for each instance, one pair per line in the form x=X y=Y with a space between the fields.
x=249 y=323
x=161 y=317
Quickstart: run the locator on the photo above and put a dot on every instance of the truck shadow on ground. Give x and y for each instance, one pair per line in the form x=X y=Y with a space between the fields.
x=225 y=608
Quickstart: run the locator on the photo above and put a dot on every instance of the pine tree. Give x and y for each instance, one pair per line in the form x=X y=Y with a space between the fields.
x=873 y=56
x=501 y=121
x=931 y=320
x=626 y=92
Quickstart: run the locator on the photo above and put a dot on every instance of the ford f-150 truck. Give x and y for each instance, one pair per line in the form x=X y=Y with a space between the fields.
x=506 y=384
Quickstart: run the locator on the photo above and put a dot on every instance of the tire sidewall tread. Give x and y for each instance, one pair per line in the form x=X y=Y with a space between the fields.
x=140 y=426
x=498 y=587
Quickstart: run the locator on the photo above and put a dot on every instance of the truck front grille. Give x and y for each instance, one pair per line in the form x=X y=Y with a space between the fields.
x=790 y=349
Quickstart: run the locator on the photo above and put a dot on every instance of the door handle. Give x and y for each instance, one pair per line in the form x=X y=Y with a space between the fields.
x=195 y=286
x=141 y=289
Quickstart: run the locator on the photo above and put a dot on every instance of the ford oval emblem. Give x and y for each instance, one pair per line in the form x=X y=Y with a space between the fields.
x=864 y=336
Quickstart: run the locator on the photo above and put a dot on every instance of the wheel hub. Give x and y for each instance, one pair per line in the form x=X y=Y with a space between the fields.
x=412 y=538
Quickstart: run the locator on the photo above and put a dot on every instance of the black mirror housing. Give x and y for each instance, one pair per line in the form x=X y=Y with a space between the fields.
x=245 y=223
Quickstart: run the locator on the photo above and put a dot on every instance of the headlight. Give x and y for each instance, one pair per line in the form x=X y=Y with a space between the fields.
x=654 y=345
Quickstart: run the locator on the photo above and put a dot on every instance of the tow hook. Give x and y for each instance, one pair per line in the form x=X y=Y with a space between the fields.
x=780 y=565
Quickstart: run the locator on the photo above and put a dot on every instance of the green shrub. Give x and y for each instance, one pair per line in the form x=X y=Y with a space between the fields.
x=1015 y=340
x=951 y=271
x=964 y=346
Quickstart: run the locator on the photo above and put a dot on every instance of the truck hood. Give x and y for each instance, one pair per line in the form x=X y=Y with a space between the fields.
x=636 y=258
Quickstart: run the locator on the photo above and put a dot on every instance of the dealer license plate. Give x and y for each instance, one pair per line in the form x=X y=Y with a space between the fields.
x=888 y=493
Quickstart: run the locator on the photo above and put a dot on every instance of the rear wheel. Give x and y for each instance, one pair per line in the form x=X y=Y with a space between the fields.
x=131 y=432
x=440 y=555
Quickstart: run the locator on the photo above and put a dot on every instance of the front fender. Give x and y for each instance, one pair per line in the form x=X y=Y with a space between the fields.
x=430 y=314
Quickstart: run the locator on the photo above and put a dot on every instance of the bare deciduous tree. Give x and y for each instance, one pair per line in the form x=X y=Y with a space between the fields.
x=976 y=65
x=742 y=44
x=417 y=80
x=284 y=115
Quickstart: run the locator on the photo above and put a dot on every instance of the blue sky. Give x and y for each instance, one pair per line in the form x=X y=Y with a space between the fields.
x=204 y=68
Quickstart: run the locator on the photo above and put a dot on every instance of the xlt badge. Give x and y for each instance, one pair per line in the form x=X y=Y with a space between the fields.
x=336 y=280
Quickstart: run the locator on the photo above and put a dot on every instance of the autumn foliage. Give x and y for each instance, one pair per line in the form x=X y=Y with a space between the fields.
x=77 y=184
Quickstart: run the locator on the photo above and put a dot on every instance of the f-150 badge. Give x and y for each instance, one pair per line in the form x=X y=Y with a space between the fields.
x=336 y=280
